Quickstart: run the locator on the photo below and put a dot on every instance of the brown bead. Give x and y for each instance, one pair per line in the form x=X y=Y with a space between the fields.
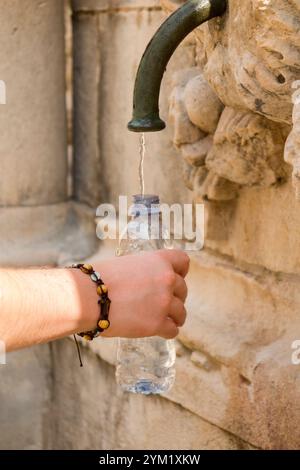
x=104 y=289
x=87 y=268
x=99 y=290
x=87 y=338
x=104 y=324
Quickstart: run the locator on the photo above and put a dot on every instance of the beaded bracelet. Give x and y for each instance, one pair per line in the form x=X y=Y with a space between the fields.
x=104 y=302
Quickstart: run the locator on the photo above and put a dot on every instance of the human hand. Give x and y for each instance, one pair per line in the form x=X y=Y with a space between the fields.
x=147 y=291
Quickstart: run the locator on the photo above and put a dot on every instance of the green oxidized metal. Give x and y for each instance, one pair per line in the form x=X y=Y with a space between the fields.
x=157 y=55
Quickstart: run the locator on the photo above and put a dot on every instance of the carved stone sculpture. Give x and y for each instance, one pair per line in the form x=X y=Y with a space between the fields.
x=292 y=147
x=233 y=113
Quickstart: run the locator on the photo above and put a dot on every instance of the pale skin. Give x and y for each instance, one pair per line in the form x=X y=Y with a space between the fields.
x=147 y=290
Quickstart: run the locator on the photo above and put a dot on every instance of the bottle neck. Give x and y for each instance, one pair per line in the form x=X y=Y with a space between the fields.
x=145 y=206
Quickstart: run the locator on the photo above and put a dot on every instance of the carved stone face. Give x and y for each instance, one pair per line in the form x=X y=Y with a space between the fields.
x=251 y=59
x=253 y=56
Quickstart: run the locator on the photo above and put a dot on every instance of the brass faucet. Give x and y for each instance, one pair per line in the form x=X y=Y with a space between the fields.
x=157 y=55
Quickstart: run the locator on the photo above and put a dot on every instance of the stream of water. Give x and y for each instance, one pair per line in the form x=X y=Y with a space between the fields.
x=141 y=165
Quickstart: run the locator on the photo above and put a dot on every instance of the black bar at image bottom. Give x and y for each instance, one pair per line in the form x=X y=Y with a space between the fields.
x=136 y=458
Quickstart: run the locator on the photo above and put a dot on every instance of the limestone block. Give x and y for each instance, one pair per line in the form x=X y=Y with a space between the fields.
x=46 y=235
x=235 y=370
x=261 y=227
x=250 y=311
x=113 y=5
x=33 y=121
x=104 y=417
x=263 y=412
x=25 y=397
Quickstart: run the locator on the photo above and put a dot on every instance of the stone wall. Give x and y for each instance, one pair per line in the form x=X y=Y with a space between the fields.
x=235 y=116
x=230 y=114
x=228 y=92
x=90 y=412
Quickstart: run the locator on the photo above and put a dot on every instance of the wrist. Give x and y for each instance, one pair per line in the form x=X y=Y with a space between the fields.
x=86 y=308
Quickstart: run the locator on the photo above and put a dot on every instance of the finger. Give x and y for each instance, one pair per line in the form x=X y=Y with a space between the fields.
x=168 y=329
x=179 y=260
x=180 y=288
x=177 y=312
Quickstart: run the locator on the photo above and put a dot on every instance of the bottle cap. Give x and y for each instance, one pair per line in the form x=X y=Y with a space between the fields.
x=145 y=204
x=146 y=199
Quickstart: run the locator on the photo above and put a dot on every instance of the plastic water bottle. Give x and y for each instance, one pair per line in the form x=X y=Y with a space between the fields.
x=145 y=365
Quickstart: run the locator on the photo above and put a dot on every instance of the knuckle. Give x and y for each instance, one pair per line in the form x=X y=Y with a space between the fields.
x=159 y=326
x=155 y=329
x=182 y=317
x=169 y=278
x=186 y=259
x=173 y=333
x=184 y=289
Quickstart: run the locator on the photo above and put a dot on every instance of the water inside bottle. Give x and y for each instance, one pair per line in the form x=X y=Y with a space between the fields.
x=144 y=365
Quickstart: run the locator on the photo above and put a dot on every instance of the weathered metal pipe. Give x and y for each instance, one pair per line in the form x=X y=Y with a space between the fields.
x=157 y=55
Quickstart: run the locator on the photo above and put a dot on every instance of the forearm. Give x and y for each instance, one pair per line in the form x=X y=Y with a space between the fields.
x=147 y=293
x=40 y=305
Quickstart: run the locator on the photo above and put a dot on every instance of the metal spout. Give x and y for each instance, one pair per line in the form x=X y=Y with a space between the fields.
x=157 y=55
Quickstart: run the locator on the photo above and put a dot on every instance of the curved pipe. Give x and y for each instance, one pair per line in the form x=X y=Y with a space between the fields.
x=157 y=55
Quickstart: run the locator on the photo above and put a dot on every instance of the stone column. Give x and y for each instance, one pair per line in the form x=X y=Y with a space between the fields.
x=33 y=122
x=35 y=216
x=38 y=222
x=33 y=191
